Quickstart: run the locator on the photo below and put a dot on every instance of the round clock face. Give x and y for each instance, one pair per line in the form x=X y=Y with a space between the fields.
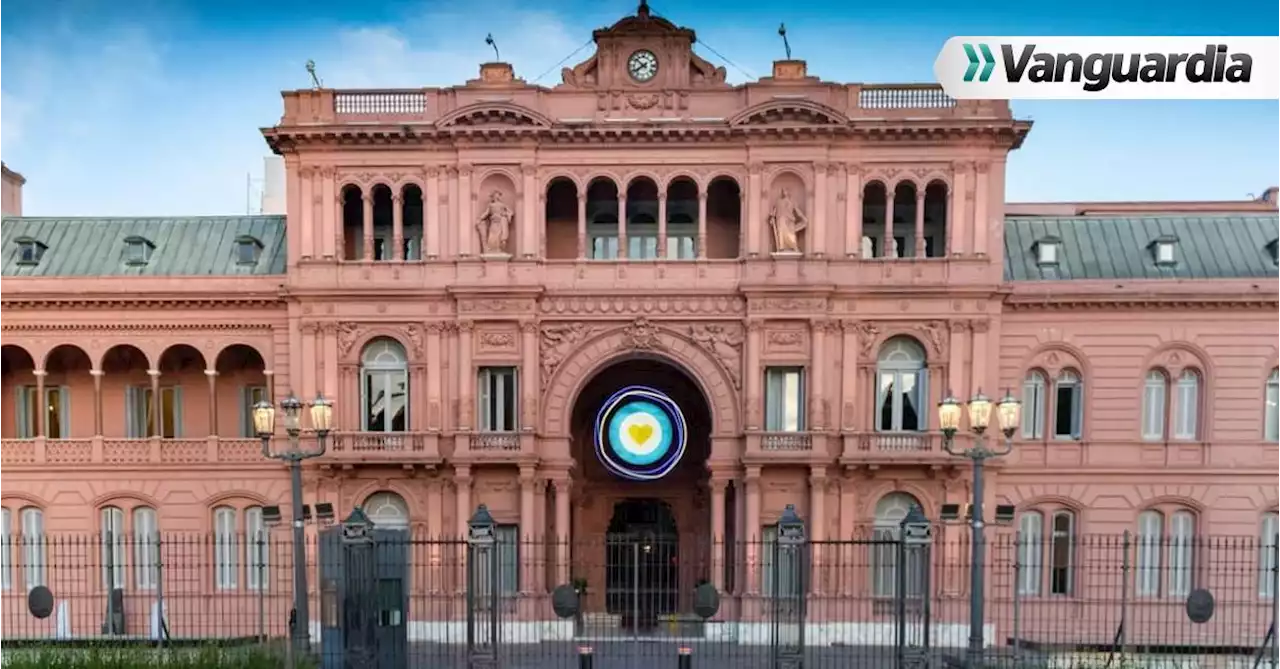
x=642 y=65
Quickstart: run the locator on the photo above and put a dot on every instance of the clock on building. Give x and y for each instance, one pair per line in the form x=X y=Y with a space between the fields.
x=642 y=65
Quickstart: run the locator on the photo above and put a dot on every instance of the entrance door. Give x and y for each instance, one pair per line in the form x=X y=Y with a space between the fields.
x=642 y=571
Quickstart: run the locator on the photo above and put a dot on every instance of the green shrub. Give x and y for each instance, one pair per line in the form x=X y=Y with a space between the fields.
x=104 y=657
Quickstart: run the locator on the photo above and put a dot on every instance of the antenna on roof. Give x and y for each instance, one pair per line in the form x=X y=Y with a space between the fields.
x=488 y=39
x=311 y=70
x=782 y=31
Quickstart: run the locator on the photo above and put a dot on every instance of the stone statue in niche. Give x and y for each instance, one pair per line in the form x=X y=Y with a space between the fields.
x=787 y=221
x=494 y=226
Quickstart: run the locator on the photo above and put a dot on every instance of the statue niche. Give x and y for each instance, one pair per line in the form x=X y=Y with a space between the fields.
x=494 y=225
x=787 y=220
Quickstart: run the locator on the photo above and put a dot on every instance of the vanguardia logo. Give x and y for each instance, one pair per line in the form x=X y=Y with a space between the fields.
x=1142 y=67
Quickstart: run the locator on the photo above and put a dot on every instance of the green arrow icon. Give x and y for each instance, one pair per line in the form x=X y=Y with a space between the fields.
x=988 y=62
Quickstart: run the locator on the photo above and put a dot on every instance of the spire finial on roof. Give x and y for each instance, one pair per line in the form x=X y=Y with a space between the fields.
x=643 y=10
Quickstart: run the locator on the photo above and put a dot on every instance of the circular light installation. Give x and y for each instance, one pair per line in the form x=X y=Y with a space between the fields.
x=640 y=434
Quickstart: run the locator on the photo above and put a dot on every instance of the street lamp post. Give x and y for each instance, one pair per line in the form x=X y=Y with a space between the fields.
x=264 y=423
x=979 y=419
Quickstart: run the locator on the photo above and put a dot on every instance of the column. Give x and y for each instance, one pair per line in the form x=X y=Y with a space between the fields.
x=529 y=374
x=817 y=236
x=434 y=389
x=702 y=224
x=622 y=226
x=753 y=529
x=818 y=364
x=366 y=220
x=462 y=498
x=718 y=544
x=431 y=214
x=527 y=528
x=306 y=383
x=529 y=189
x=582 y=226
x=339 y=233
x=41 y=427
x=853 y=210
x=849 y=376
x=955 y=376
x=97 y=401
x=306 y=210
x=562 y=486
x=462 y=226
x=817 y=524
x=752 y=361
x=919 y=231
x=754 y=216
x=156 y=429
x=955 y=208
x=332 y=229
x=886 y=246
x=212 y=376
x=981 y=205
x=449 y=245
x=435 y=530
x=848 y=521
x=465 y=400
x=978 y=358
x=662 y=226
x=397 y=228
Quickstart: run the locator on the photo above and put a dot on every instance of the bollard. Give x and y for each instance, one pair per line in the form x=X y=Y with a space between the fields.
x=585 y=657
x=685 y=659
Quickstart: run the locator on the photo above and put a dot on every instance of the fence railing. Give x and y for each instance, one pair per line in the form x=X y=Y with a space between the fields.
x=1063 y=594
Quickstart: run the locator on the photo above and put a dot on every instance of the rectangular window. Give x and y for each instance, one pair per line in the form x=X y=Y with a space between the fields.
x=141 y=412
x=682 y=247
x=1068 y=408
x=113 y=556
x=250 y=395
x=1030 y=552
x=497 y=396
x=225 y=559
x=33 y=547
x=1271 y=421
x=1188 y=408
x=1267 y=556
x=642 y=247
x=1033 y=407
x=508 y=537
x=146 y=537
x=784 y=399
x=604 y=247
x=257 y=549
x=1153 y=408
x=1063 y=551
x=55 y=411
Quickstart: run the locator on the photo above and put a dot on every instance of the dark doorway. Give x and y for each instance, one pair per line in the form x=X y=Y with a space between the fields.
x=642 y=570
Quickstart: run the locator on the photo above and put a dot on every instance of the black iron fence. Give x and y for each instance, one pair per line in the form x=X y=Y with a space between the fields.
x=885 y=598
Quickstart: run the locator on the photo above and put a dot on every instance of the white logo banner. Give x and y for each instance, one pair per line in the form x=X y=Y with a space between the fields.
x=1113 y=68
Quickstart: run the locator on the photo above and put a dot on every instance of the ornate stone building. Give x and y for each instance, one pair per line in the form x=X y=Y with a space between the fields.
x=804 y=268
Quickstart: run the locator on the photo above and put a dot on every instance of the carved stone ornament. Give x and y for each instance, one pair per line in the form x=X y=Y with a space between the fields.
x=557 y=342
x=414 y=335
x=867 y=334
x=724 y=342
x=787 y=220
x=629 y=305
x=348 y=333
x=494 y=226
x=641 y=335
x=934 y=334
x=785 y=339
x=808 y=304
x=497 y=340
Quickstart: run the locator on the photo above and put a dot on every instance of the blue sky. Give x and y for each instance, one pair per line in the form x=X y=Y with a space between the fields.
x=153 y=107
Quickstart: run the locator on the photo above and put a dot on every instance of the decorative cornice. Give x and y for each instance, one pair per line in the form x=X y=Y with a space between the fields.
x=12 y=301
x=132 y=327
x=1155 y=302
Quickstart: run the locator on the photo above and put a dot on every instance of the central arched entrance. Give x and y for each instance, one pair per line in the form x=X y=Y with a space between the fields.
x=643 y=543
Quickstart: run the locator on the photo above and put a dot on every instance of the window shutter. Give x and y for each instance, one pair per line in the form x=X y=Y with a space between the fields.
x=23 y=423
x=246 y=429
x=177 y=412
x=64 y=411
x=1077 y=414
x=131 y=412
x=922 y=409
x=486 y=424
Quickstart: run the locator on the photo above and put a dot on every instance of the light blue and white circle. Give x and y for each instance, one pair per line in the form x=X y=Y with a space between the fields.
x=640 y=432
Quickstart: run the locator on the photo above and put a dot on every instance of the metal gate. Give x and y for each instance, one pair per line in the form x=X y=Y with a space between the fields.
x=364 y=596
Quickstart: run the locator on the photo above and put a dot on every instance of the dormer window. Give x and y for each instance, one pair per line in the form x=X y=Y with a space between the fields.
x=30 y=251
x=1164 y=249
x=137 y=250
x=248 y=249
x=1046 y=250
x=1274 y=248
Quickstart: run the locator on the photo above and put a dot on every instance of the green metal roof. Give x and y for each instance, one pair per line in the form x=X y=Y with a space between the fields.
x=188 y=246
x=1096 y=247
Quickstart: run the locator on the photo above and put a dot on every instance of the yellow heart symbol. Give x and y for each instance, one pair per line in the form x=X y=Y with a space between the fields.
x=640 y=433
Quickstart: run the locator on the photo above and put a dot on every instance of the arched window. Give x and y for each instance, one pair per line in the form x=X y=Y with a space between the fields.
x=112 y=542
x=256 y=548
x=1267 y=552
x=225 y=561
x=1033 y=391
x=1166 y=541
x=146 y=558
x=33 y=546
x=1186 y=409
x=1031 y=552
x=6 y=549
x=1155 y=392
x=1068 y=405
x=890 y=511
x=901 y=394
x=1062 y=557
x=384 y=387
x=1271 y=420
x=387 y=510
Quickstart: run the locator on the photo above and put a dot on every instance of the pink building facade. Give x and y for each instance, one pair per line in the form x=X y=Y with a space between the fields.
x=806 y=268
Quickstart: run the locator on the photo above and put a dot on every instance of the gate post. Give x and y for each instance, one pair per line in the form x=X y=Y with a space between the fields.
x=790 y=591
x=482 y=590
x=913 y=589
